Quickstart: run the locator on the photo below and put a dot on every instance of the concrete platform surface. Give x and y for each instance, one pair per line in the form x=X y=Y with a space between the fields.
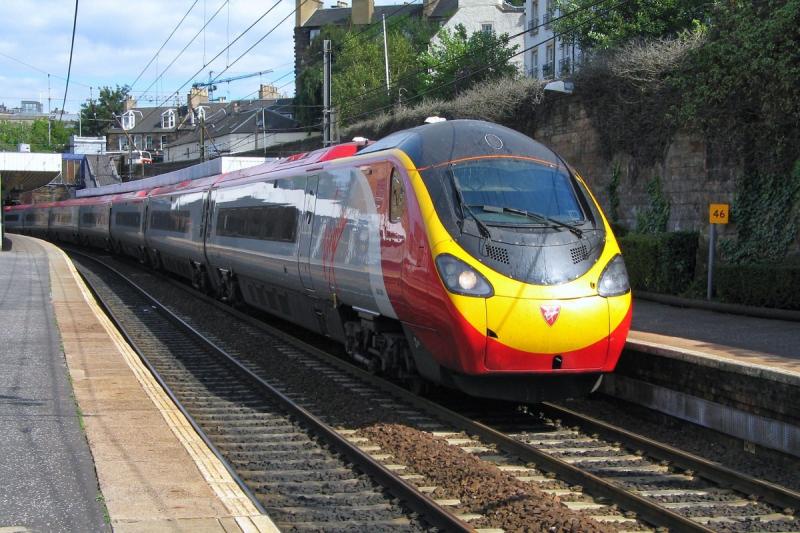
x=154 y=472
x=737 y=339
x=47 y=477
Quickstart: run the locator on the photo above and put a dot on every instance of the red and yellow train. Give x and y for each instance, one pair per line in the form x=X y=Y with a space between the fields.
x=460 y=252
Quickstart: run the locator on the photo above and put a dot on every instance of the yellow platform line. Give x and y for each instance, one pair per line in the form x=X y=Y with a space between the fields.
x=214 y=472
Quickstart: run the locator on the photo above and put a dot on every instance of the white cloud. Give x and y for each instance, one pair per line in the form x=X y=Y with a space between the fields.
x=115 y=40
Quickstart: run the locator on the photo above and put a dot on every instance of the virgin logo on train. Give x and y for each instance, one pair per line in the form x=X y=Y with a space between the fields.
x=550 y=313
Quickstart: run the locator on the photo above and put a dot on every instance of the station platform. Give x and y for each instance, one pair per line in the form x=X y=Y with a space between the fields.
x=744 y=339
x=90 y=442
x=736 y=374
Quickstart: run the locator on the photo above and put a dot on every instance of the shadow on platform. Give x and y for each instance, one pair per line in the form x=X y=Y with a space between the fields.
x=7 y=244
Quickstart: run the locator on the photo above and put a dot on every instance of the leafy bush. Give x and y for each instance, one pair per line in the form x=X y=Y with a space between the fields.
x=761 y=285
x=662 y=262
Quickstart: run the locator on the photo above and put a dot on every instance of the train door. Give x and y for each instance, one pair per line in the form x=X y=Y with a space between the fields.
x=306 y=232
x=393 y=234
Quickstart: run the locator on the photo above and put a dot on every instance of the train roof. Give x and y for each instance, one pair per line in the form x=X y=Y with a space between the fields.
x=451 y=140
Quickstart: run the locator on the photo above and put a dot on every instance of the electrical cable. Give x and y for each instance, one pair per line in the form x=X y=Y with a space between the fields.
x=164 y=43
x=69 y=68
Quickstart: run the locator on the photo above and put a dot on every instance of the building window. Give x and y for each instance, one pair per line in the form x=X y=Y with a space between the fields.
x=533 y=24
x=128 y=120
x=201 y=113
x=534 y=64
x=487 y=27
x=168 y=119
x=549 y=67
x=313 y=34
x=122 y=142
x=148 y=142
x=137 y=141
x=163 y=142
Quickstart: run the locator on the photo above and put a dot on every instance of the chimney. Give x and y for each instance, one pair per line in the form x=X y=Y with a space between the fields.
x=341 y=3
x=196 y=97
x=304 y=9
x=268 y=92
x=129 y=103
x=362 y=12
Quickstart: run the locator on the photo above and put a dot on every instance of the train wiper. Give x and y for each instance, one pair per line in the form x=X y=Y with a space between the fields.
x=531 y=214
x=465 y=209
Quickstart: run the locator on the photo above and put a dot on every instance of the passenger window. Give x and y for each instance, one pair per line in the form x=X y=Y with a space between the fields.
x=397 y=197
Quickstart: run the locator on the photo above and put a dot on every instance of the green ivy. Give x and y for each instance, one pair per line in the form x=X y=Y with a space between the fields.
x=654 y=219
x=612 y=189
x=766 y=211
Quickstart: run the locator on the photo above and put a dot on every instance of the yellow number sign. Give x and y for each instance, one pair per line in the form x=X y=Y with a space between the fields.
x=718 y=213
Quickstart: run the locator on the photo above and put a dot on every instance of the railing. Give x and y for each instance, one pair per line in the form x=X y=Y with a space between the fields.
x=533 y=72
x=533 y=26
x=548 y=70
x=547 y=19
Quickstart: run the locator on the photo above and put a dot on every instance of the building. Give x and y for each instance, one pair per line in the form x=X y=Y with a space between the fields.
x=236 y=127
x=172 y=133
x=153 y=128
x=549 y=57
x=476 y=15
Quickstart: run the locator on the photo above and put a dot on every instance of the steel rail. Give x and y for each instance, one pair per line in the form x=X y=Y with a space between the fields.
x=143 y=357
x=433 y=513
x=644 y=508
x=769 y=492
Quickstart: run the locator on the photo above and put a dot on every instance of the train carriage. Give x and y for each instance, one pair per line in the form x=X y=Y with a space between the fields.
x=462 y=253
x=93 y=220
x=64 y=218
x=127 y=223
x=14 y=219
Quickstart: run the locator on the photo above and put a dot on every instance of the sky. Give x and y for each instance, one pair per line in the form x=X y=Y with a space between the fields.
x=115 y=40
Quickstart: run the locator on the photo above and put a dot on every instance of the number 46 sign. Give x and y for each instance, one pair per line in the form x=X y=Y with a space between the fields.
x=718 y=213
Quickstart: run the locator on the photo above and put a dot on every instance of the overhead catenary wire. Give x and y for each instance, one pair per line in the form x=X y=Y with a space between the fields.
x=69 y=68
x=21 y=62
x=160 y=48
x=196 y=35
x=565 y=15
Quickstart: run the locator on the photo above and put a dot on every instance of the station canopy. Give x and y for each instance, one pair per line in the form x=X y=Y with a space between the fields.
x=23 y=171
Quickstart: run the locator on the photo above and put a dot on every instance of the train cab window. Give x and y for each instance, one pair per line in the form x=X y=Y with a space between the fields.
x=397 y=197
x=12 y=218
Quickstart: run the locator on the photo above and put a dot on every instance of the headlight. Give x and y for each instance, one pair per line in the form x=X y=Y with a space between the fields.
x=614 y=279
x=460 y=278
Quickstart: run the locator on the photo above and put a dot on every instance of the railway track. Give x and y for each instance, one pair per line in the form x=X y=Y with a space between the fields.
x=302 y=473
x=615 y=477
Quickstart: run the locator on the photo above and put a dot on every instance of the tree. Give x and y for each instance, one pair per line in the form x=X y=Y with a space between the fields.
x=455 y=62
x=358 y=85
x=98 y=115
x=599 y=26
x=35 y=134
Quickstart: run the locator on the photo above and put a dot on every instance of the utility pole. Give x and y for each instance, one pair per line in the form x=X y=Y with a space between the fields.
x=49 y=141
x=386 y=55
x=203 y=137
x=264 y=131
x=326 y=93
